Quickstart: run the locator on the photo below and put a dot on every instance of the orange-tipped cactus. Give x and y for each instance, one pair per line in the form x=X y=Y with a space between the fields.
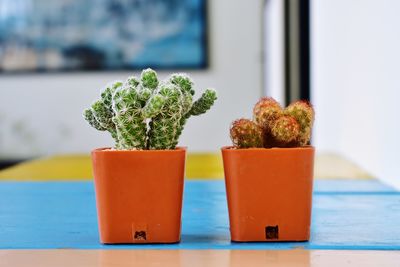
x=286 y=131
x=266 y=111
x=273 y=126
x=303 y=112
x=245 y=133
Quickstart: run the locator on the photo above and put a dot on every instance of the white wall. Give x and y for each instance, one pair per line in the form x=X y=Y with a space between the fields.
x=41 y=114
x=356 y=82
x=274 y=50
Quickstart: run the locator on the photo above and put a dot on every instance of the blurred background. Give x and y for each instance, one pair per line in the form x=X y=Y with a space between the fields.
x=343 y=55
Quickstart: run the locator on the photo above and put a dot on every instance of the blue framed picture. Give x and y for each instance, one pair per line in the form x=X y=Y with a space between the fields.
x=69 y=35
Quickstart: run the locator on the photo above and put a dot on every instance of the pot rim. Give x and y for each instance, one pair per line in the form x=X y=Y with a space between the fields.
x=260 y=149
x=108 y=150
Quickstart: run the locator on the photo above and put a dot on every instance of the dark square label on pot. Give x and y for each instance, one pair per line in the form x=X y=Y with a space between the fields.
x=140 y=235
x=272 y=232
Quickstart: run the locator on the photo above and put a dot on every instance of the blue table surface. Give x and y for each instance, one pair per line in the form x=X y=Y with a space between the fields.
x=347 y=214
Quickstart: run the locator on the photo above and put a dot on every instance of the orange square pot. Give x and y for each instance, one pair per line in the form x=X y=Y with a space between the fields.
x=269 y=193
x=139 y=194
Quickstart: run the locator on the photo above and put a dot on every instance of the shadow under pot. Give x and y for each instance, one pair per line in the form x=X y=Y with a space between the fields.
x=139 y=194
x=269 y=193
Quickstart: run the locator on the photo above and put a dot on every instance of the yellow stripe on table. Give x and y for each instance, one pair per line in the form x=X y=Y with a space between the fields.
x=79 y=167
x=198 y=166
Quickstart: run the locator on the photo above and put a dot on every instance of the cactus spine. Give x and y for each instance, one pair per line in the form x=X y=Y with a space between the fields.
x=100 y=114
x=289 y=127
x=200 y=106
x=246 y=133
x=266 y=111
x=303 y=112
x=285 y=131
x=163 y=127
x=145 y=113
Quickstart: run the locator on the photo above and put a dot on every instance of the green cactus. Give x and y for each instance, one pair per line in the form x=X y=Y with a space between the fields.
x=183 y=81
x=289 y=127
x=103 y=113
x=129 y=122
x=149 y=79
x=163 y=127
x=89 y=117
x=145 y=113
x=204 y=103
x=200 y=106
x=245 y=133
x=154 y=106
x=174 y=125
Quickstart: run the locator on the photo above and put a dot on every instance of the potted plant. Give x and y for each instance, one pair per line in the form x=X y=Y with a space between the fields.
x=269 y=173
x=139 y=182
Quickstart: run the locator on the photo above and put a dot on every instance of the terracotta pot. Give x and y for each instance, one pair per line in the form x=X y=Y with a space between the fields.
x=269 y=193
x=139 y=195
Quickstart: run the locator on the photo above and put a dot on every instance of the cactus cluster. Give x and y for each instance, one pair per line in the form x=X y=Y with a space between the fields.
x=145 y=113
x=274 y=126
